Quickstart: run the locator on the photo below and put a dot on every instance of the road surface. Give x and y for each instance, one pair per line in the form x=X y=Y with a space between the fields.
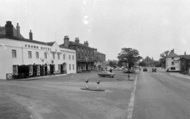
x=161 y=96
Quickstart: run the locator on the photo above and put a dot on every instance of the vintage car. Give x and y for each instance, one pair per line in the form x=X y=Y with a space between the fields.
x=154 y=70
x=145 y=69
x=106 y=74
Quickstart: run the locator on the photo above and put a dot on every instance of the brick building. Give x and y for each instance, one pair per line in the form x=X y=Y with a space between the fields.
x=86 y=55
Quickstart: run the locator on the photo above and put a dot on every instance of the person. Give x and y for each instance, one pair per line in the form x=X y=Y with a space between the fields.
x=110 y=70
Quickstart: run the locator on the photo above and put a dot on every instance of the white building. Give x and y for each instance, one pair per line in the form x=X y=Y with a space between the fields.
x=22 y=57
x=173 y=62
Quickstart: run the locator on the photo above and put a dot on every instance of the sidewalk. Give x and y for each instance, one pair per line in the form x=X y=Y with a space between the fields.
x=179 y=75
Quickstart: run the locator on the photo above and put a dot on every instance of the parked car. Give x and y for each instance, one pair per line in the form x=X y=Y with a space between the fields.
x=154 y=69
x=106 y=74
x=145 y=69
x=128 y=71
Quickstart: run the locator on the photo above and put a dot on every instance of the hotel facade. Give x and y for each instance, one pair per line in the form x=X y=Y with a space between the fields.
x=22 y=58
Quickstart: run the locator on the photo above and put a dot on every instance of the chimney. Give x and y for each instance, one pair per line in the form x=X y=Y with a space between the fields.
x=185 y=53
x=30 y=35
x=9 y=29
x=17 y=30
x=66 y=41
x=77 y=40
x=86 y=43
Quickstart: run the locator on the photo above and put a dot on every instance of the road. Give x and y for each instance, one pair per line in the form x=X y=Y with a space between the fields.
x=161 y=96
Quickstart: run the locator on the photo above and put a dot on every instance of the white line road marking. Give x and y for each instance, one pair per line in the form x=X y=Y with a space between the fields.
x=132 y=100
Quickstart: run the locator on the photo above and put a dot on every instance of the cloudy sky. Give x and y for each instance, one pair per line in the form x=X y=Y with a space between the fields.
x=151 y=26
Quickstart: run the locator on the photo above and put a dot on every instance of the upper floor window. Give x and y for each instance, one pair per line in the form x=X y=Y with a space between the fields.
x=13 y=53
x=73 y=57
x=58 y=56
x=172 y=63
x=37 y=55
x=69 y=57
x=73 y=67
x=29 y=54
x=64 y=56
x=45 y=55
x=53 y=55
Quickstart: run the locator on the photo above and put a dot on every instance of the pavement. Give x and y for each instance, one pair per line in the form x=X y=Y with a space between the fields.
x=162 y=96
x=61 y=97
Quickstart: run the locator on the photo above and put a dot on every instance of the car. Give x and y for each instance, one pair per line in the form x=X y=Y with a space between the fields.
x=106 y=74
x=128 y=71
x=145 y=69
x=154 y=69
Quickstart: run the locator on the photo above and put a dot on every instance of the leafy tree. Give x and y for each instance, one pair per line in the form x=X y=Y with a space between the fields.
x=162 y=59
x=112 y=63
x=128 y=57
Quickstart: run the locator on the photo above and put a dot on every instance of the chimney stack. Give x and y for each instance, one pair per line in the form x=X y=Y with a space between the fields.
x=86 y=43
x=66 y=41
x=77 y=40
x=18 y=30
x=30 y=35
x=185 y=53
x=9 y=29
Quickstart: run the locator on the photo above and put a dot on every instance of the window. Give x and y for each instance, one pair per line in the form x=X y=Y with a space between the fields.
x=13 y=53
x=69 y=57
x=45 y=55
x=64 y=56
x=172 y=63
x=37 y=55
x=73 y=67
x=53 y=55
x=29 y=54
x=69 y=66
x=73 y=57
x=15 y=70
x=172 y=68
x=58 y=56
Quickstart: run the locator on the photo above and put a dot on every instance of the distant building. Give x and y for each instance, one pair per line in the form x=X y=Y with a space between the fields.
x=21 y=57
x=173 y=62
x=86 y=56
x=100 y=59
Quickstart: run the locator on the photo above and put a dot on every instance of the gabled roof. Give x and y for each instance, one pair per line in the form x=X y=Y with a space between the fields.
x=50 y=43
x=172 y=54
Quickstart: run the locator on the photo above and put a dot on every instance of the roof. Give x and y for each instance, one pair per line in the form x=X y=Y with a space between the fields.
x=2 y=32
x=50 y=43
x=172 y=54
x=185 y=56
x=26 y=40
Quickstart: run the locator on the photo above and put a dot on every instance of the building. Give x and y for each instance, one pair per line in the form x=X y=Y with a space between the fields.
x=100 y=59
x=173 y=62
x=185 y=64
x=21 y=57
x=86 y=57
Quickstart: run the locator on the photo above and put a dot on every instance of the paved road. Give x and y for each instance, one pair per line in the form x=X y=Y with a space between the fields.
x=162 y=96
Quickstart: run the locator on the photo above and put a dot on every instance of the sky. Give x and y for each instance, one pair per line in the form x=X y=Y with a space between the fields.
x=150 y=26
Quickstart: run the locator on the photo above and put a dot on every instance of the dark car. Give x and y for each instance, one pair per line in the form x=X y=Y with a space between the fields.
x=154 y=70
x=106 y=74
x=145 y=69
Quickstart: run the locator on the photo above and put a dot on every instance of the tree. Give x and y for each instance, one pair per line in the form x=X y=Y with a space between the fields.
x=112 y=63
x=128 y=57
x=162 y=59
